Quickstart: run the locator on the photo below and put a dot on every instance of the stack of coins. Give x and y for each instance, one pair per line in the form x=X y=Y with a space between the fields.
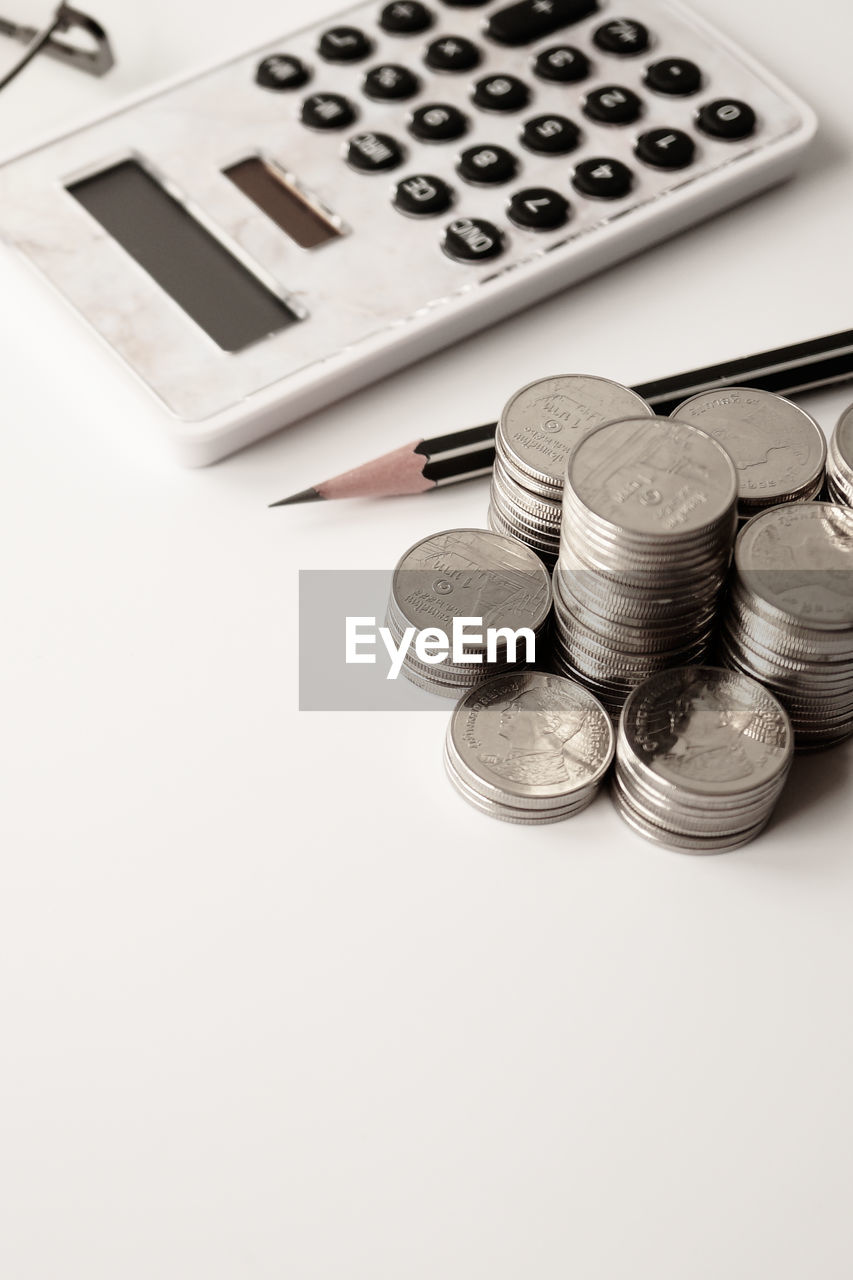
x=789 y=620
x=702 y=756
x=538 y=428
x=779 y=451
x=529 y=747
x=839 y=466
x=648 y=523
x=467 y=573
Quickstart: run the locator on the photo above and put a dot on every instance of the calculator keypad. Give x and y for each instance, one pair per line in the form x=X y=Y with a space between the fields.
x=390 y=83
x=344 y=44
x=473 y=240
x=281 y=71
x=529 y=20
x=623 y=37
x=550 y=135
x=666 y=148
x=485 y=166
x=613 y=104
x=603 y=178
x=563 y=64
x=500 y=93
x=406 y=18
x=678 y=77
x=453 y=53
x=374 y=152
x=423 y=195
x=327 y=111
x=727 y=118
x=538 y=209
x=438 y=122
x=637 y=105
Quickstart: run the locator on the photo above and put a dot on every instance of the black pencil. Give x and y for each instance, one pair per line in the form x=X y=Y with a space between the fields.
x=464 y=455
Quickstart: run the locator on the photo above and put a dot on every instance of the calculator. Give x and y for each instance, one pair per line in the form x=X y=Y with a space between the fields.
x=267 y=236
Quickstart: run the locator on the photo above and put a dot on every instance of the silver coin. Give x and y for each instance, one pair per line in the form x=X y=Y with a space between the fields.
x=714 y=812
x=778 y=449
x=782 y=633
x=838 y=490
x=792 y=650
x=525 y=521
x=841 y=452
x=656 y=478
x=707 y=731
x=545 y=549
x=532 y=735
x=542 y=423
x=696 y=823
x=571 y=617
x=533 y=807
x=532 y=804
x=798 y=561
x=603 y=594
x=504 y=485
x=471 y=573
x=672 y=840
x=509 y=813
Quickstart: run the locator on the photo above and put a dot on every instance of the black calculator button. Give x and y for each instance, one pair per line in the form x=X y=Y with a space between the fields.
x=453 y=53
x=472 y=240
x=550 y=135
x=327 y=111
x=562 y=63
x=530 y=20
x=676 y=76
x=624 y=37
x=727 y=118
x=603 y=178
x=390 y=83
x=465 y=4
x=666 y=149
x=486 y=165
x=613 y=105
x=344 y=44
x=438 y=122
x=538 y=209
x=423 y=195
x=282 y=71
x=373 y=153
x=405 y=18
x=500 y=93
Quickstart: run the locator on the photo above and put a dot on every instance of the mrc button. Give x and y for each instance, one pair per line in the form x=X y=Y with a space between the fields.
x=472 y=240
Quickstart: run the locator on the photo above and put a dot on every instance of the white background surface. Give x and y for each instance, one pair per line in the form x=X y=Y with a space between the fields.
x=273 y=1001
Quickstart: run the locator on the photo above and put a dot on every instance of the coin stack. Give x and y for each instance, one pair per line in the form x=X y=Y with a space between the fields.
x=778 y=449
x=839 y=466
x=538 y=428
x=467 y=573
x=789 y=620
x=528 y=747
x=702 y=756
x=648 y=523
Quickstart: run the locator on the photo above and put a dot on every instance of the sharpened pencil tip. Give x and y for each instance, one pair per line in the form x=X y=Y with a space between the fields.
x=306 y=495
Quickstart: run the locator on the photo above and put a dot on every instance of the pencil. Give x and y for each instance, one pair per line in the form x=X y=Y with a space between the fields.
x=463 y=455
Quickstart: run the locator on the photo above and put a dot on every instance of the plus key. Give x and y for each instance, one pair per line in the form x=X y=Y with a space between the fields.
x=529 y=20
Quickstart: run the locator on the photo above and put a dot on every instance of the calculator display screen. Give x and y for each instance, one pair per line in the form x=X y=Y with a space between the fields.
x=216 y=290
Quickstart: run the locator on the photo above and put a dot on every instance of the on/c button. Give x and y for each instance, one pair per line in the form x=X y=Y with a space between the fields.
x=472 y=240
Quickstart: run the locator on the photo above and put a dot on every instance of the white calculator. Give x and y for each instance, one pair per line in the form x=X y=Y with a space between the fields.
x=267 y=236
